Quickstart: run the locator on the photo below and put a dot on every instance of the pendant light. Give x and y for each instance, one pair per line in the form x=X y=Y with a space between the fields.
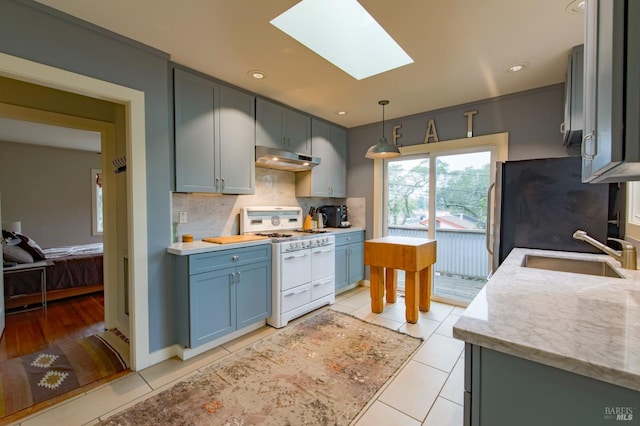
x=383 y=149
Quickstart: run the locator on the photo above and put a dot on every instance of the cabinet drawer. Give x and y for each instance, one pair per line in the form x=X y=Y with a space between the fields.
x=205 y=262
x=349 y=237
x=323 y=287
x=295 y=297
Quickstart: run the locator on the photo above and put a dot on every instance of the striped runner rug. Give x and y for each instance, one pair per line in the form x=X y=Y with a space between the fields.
x=49 y=373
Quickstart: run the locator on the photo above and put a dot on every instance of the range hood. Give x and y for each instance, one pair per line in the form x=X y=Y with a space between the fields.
x=273 y=158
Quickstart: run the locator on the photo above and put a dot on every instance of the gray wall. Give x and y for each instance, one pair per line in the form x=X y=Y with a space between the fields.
x=532 y=119
x=49 y=191
x=38 y=33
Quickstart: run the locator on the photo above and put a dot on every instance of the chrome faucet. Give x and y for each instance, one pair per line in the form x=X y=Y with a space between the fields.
x=627 y=256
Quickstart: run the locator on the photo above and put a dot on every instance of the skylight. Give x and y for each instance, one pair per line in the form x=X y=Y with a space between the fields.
x=343 y=32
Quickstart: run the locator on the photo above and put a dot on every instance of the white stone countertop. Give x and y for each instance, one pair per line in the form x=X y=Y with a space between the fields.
x=199 y=246
x=581 y=323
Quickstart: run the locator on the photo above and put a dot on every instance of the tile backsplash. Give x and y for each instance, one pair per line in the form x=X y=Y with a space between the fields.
x=210 y=215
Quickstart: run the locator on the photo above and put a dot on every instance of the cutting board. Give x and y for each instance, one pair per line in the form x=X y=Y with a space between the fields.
x=231 y=239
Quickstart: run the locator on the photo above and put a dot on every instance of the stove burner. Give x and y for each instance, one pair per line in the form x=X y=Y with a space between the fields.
x=274 y=235
x=311 y=231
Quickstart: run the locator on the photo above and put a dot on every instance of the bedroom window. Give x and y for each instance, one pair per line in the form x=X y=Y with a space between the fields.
x=96 y=202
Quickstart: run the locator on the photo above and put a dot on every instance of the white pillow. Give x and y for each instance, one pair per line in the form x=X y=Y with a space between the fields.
x=16 y=254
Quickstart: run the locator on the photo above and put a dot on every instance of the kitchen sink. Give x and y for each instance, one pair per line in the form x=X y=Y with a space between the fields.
x=577 y=266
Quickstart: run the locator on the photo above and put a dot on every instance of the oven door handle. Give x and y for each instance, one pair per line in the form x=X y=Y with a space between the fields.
x=295 y=256
x=293 y=293
x=323 y=251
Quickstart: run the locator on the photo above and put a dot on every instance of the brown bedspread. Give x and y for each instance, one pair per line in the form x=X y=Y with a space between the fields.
x=68 y=271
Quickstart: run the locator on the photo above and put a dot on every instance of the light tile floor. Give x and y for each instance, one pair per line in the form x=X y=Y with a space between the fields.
x=427 y=391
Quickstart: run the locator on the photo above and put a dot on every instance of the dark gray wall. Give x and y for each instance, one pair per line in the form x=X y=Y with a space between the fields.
x=38 y=33
x=532 y=119
x=48 y=190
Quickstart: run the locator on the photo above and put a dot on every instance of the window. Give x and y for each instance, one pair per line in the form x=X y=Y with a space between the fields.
x=96 y=202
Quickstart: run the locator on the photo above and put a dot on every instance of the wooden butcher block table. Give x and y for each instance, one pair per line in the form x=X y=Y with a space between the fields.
x=416 y=257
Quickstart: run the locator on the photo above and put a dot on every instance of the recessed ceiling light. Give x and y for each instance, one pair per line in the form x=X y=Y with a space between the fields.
x=345 y=34
x=576 y=6
x=517 y=67
x=257 y=74
x=341 y=112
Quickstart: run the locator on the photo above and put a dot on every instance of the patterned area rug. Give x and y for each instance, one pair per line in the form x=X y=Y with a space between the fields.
x=320 y=371
x=54 y=371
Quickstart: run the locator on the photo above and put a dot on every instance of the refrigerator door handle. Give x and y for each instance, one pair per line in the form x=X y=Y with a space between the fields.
x=488 y=233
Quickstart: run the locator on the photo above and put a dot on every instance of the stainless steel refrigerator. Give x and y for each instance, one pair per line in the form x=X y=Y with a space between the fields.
x=541 y=203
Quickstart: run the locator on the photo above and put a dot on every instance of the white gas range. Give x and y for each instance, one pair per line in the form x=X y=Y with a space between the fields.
x=302 y=262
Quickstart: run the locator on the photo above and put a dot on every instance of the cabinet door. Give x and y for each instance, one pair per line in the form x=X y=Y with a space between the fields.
x=297 y=132
x=573 y=102
x=212 y=304
x=195 y=101
x=342 y=267
x=321 y=147
x=269 y=119
x=237 y=142
x=602 y=146
x=356 y=262
x=253 y=293
x=338 y=159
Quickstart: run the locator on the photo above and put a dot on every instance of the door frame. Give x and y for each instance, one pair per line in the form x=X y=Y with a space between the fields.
x=133 y=101
x=498 y=142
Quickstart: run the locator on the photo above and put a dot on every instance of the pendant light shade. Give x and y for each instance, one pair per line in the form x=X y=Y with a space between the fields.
x=383 y=149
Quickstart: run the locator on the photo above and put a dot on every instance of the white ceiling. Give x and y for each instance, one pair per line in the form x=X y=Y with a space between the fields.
x=461 y=49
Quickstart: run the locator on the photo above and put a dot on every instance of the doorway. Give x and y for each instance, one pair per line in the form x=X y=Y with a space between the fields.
x=441 y=191
x=135 y=181
x=55 y=192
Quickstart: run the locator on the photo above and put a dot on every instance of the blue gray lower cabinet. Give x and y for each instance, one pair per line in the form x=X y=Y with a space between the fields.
x=505 y=390
x=349 y=258
x=222 y=291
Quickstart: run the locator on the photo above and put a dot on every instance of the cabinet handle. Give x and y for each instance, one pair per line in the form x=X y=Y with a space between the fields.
x=235 y=258
x=222 y=188
x=583 y=148
x=238 y=277
x=217 y=183
x=562 y=127
x=232 y=278
x=323 y=282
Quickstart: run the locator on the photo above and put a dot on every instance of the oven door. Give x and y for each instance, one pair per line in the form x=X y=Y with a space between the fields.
x=295 y=269
x=323 y=262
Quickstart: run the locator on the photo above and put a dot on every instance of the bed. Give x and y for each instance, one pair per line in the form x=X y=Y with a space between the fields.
x=71 y=271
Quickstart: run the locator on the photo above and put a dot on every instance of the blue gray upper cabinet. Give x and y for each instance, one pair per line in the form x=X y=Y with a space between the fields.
x=214 y=136
x=611 y=137
x=329 y=178
x=573 y=99
x=282 y=128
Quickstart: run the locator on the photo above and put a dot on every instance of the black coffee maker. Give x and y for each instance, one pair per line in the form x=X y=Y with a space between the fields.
x=335 y=216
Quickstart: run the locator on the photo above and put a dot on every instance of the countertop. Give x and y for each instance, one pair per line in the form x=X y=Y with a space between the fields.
x=580 y=323
x=199 y=246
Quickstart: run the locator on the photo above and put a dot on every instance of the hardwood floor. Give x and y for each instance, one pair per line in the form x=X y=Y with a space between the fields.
x=68 y=319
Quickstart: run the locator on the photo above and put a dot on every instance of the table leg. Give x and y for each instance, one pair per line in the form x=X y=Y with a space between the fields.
x=391 y=284
x=377 y=288
x=425 y=288
x=411 y=296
